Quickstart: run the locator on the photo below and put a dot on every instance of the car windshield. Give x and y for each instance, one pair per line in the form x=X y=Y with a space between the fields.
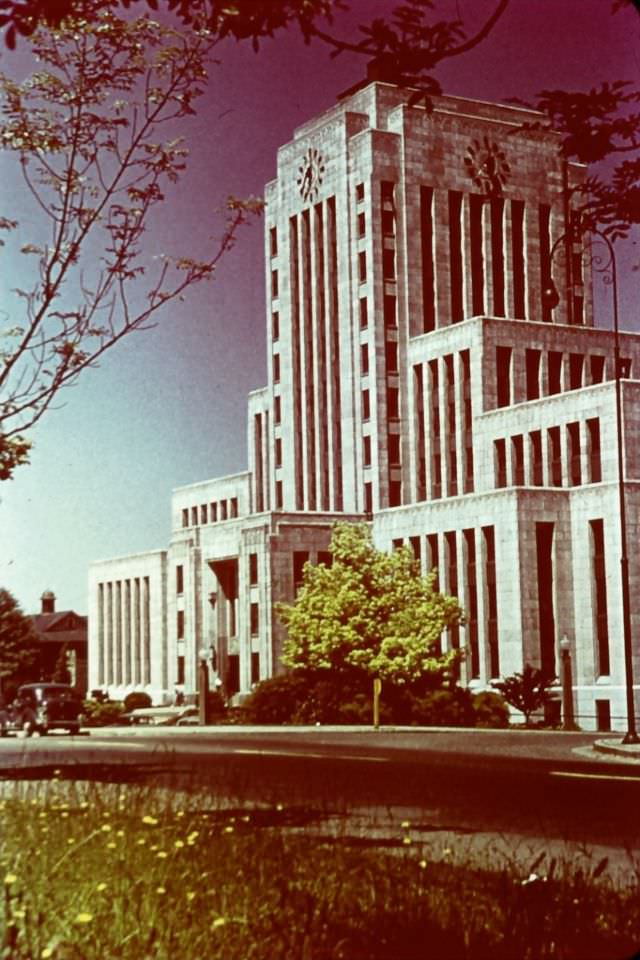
x=55 y=692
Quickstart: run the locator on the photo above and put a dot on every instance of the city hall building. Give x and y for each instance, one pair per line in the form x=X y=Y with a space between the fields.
x=425 y=376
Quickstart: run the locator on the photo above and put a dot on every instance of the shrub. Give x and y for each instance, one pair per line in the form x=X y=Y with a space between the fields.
x=490 y=710
x=444 y=708
x=216 y=706
x=103 y=714
x=136 y=700
x=278 y=699
x=527 y=691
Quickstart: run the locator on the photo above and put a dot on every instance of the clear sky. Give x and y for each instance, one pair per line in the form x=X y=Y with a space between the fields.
x=168 y=407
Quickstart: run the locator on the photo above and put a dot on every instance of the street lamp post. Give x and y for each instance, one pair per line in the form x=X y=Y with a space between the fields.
x=609 y=272
x=203 y=686
x=568 y=720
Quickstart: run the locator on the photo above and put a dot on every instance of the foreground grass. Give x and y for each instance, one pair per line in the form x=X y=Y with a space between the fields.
x=97 y=872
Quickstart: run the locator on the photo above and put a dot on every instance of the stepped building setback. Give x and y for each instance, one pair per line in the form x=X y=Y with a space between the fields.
x=421 y=377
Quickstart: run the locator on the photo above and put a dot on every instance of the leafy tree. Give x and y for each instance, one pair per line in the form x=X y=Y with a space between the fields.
x=527 y=691
x=18 y=642
x=88 y=129
x=369 y=612
x=61 y=672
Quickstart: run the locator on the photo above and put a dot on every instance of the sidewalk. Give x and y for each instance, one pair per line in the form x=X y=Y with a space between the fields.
x=614 y=747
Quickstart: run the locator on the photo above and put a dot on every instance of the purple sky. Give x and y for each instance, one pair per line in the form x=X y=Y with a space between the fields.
x=168 y=407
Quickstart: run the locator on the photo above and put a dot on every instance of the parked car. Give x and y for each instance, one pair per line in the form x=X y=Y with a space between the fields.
x=43 y=707
x=162 y=716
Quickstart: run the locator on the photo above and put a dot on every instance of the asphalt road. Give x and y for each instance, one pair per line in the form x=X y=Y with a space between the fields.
x=515 y=783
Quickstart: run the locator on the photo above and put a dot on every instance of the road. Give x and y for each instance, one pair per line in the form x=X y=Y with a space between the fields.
x=508 y=783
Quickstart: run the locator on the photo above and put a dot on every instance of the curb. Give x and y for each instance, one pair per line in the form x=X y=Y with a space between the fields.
x=630 y=752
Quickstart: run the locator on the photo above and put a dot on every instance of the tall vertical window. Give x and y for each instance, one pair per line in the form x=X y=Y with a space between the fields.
x=388 y=211
x=276 y=367
x=476 y=206
x=277 y=409
x=253 y=569
x=359 y=192
x=503 y=376
x=596 y=363
x=394 y=448
x=517 y=258
x=595 y=466
x=532 y=363
x=274 y=284
x=472 y=600
x=364 y=359
x=467 y=420
x=436 y=450
x=555 y=456
x=500 y=456
x=185 y=518
x=368 y=498
x=393 y=403
x=300 y=557
x=599 y=594
x=273 y=241
x=362 y=226
x=426 y=238
x=275 y=325
x=366 y=451
x=364 y=313
x=497 y=255
x=517 y=460
x=203 y=513
x=554 y=361
x=213 y=512
x=389 y=263
x=180 y=625
x=575 y=473
x=278 y=452
x=255 y=667
x=362 y=266
x=366 y=405
x=452 y=459
x=544 y=226
x=179 y=579
x=391 y=355
x=254 y=617
x=194 y=516
x=455 y=256
x=421 y=464
x=576 y=365
x=535 y=440
x=452 y=581
x=546 y=618
x=279 y=498
x=389 y=310
x=395 y=493
x=491 y=604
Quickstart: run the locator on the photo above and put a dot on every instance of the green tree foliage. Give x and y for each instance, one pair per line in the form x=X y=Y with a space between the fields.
x=369 y=612
x=18 y=643
x=527 y=691
x=61 y=672
x=94 y=131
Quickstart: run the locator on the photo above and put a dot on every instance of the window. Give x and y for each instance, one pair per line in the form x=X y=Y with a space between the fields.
x=180 y=670
x=273 y=241
x=573 y=431
x=362 y=266
x=517 y=460
x=389 y=310
x=255 y=668
x=389 y=264
x=391 y=356
x=597 y=368
x=368 y=498
x=395 y=493
x=503 y=370
x=300 y=557
x=595 y=466
x=325 y=558
x=555 y=456
x=455 y=255
x=364 y=313
x=544 y=533
x=275 y=325
x=276 y=367
x=180 y=625
x=278 y=457
x=554 y=360
x=535 y=439
x=185 y=518
x=359 y=192
x=364 y=359
x=362 y=226
x=203 y=513
x=274 y=284
x=254 y=612
x=394 y=448
x=576 y=363
x=603 y=715
x=213 y=512
x=179 y=579
x=233 y=507
x=599 y=594
x=517 y=258
x=388 y=223
x=625 y=368
x=277 y=409
x=223 y=509
x=194 y=516
x=393 y=403
x=500 y=453
x=532 y=361
x=366 y=405
x=544 y=222
x=397 y=544
x=491 y=600
x=476 y=205
x=279 y=500
x=366 y=451
x=253 y=569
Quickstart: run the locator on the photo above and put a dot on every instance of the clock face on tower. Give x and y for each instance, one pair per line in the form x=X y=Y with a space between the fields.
x=310 y=174
x=487 y=166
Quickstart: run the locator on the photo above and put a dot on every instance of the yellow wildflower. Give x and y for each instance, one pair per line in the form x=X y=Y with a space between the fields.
x=46 y=953
x=106 y=827
x=191 y=895
x=405 y=824
x=100 y=887
x=10 y=878
x=178 y=844
x=218 y=922
x=162 y=854
x=228 y=829
x=150 y=820
x=406 y=840
x=161 y=889
x=84 y=917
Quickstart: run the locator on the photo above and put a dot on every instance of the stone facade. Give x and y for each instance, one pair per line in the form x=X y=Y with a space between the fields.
x=422 y=377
